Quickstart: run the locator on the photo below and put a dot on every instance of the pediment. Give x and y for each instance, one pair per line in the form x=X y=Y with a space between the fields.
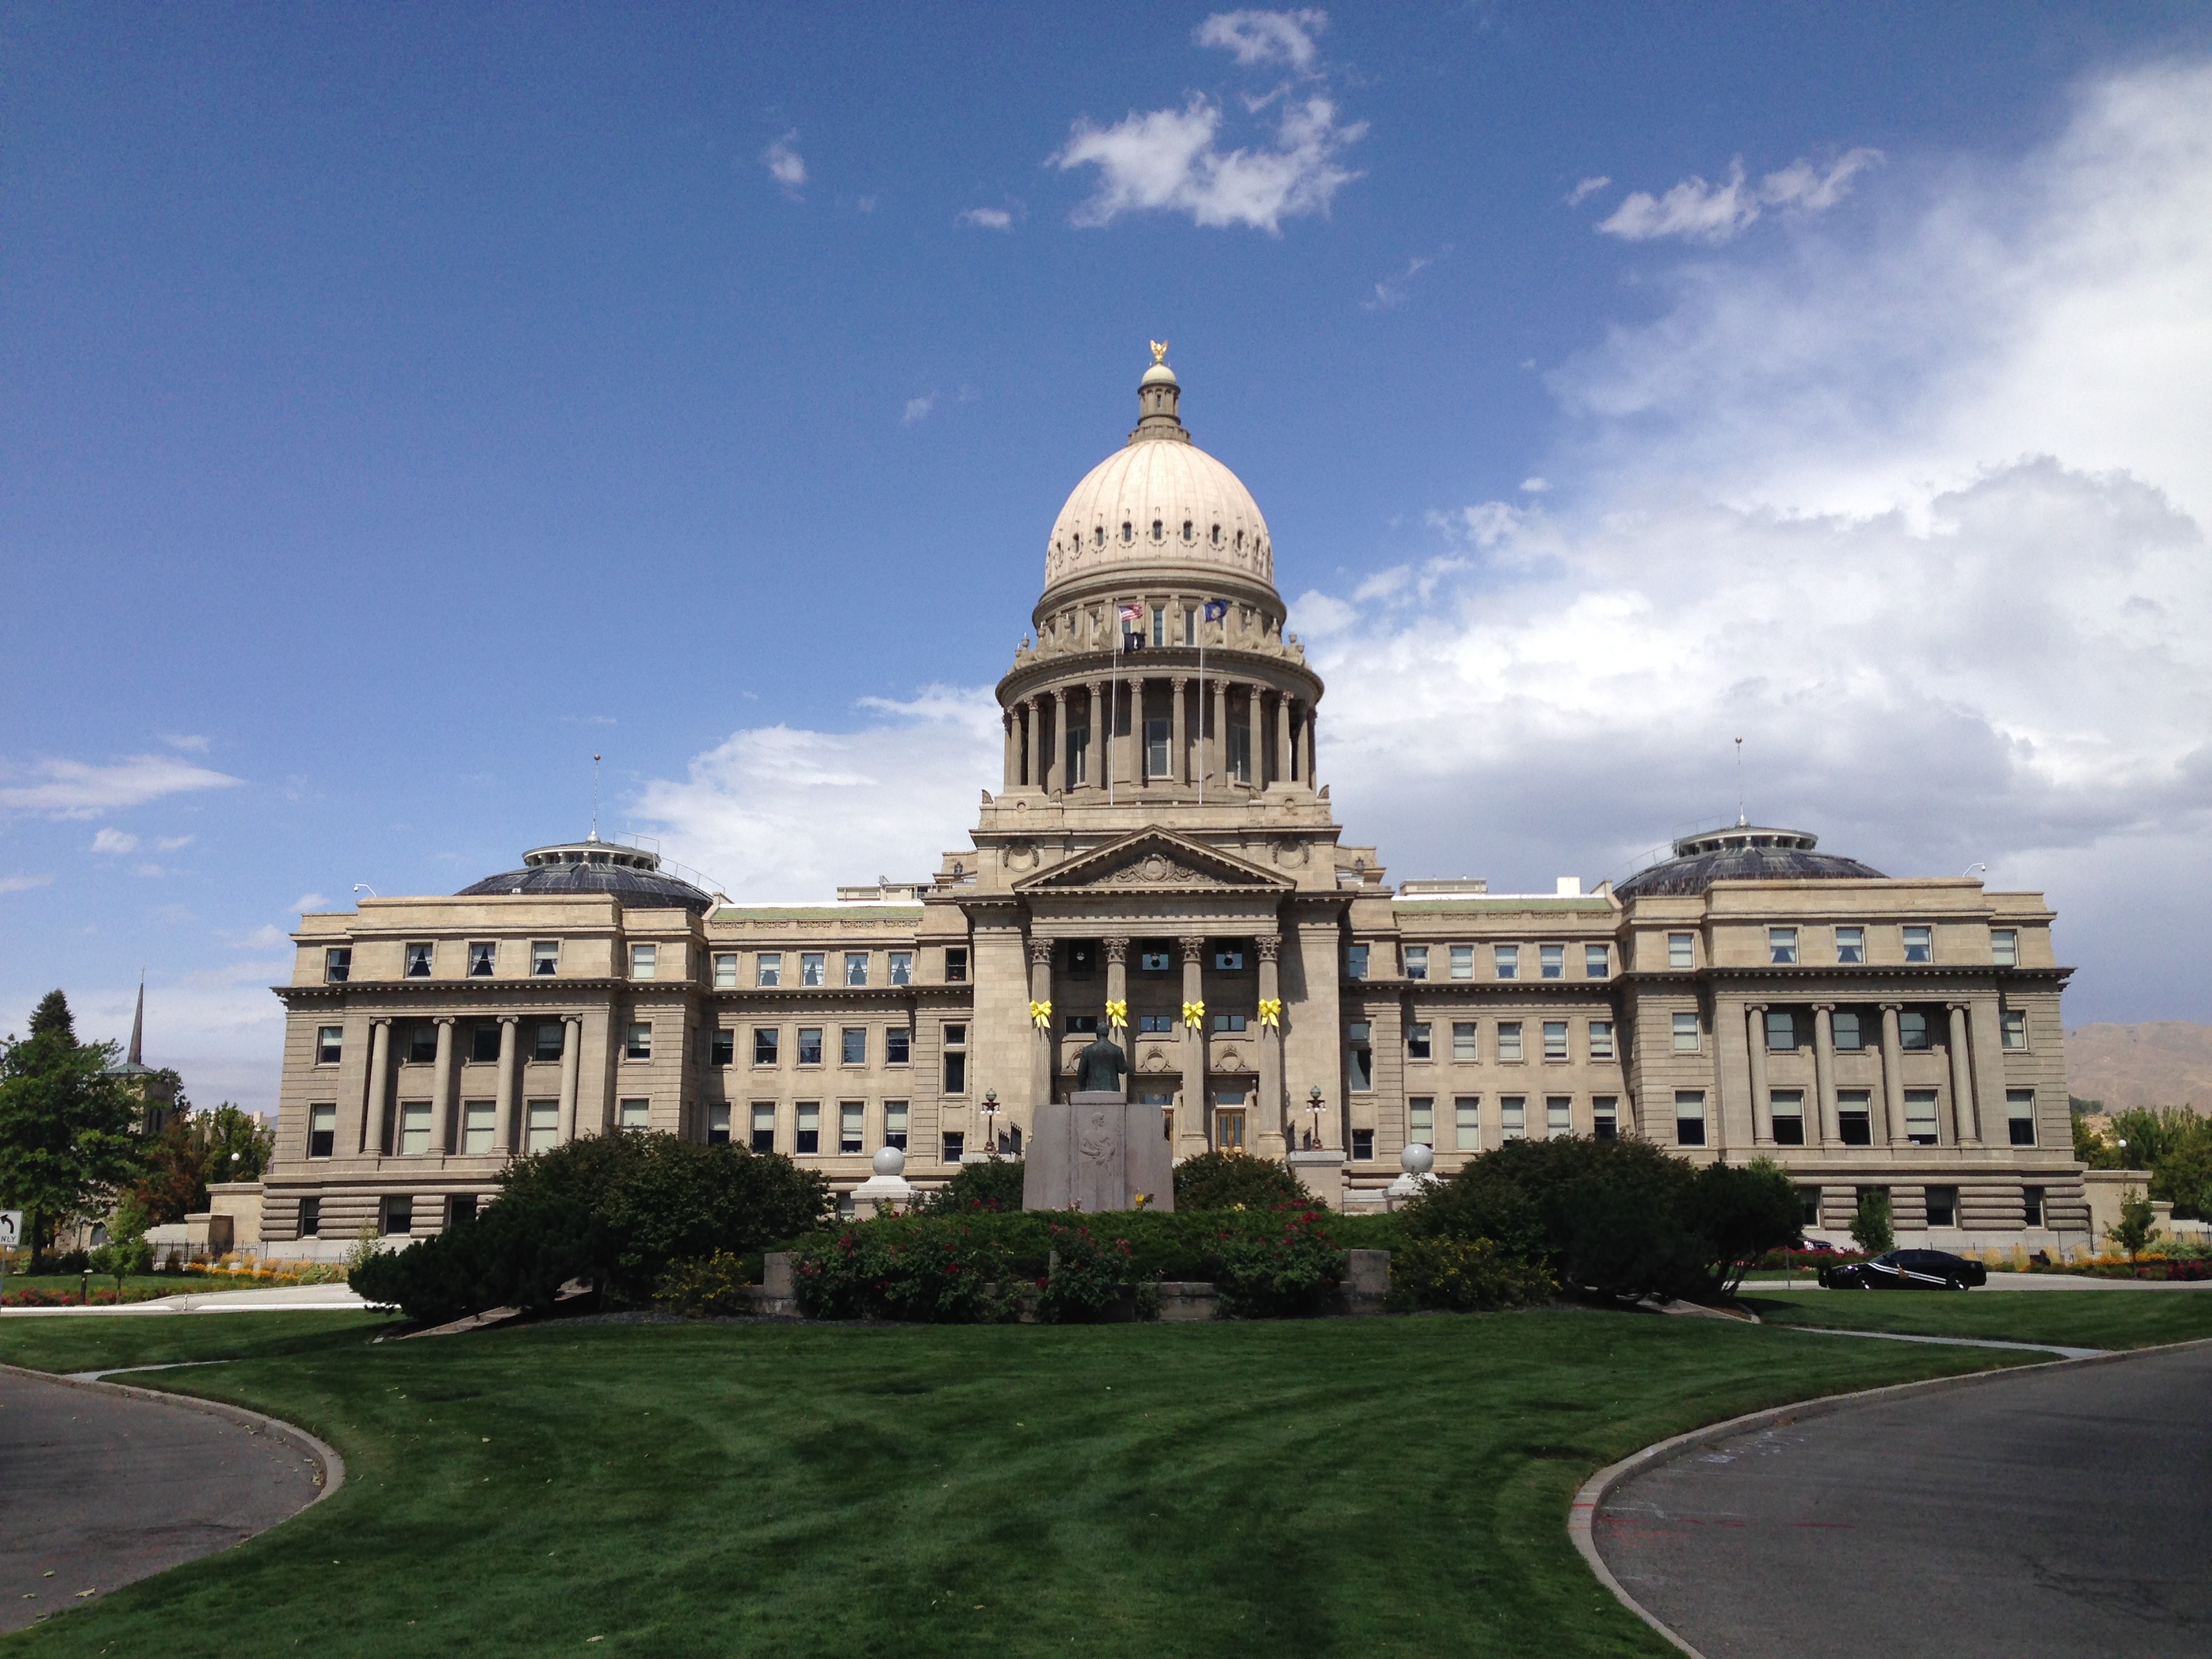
x=1154 y=861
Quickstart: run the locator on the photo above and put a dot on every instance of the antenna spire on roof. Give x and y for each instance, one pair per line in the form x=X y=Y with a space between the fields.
x=594 y=836
x=138 y=1055
x=1742 y=822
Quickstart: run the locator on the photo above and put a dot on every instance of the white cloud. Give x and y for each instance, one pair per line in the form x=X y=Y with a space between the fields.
x=171 y=843
x=114 y=840
x=307 y=902
x=986 y=218
x=77 y=789
x=1392 y=291
x=23 y=883
x=150 y=869
x=266 y=937
x=1698 y=211
x=775 y=813
x=199 y=745
x=1535 y=486
x=917 y=408
x=786 y=165
x=1585 y=188
x=1265 y=37
x=218 y=1027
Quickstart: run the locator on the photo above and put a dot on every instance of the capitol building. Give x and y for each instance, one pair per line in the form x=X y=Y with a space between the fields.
x=1160 y=861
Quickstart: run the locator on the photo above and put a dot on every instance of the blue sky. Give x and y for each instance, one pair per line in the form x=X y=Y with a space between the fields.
x=399 y=404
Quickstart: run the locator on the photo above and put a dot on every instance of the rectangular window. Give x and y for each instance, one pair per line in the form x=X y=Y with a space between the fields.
x=723 y=1052
x=2019 y=1115
x=1467 y=1123
x=1809 y=1206
x=768 y=968
x=718 y=1126
x=545 y=958
x=2004 y=947
x=1689 y=1117
x=2013 y=1024
x=1851 y=944
x=1355 y=962
x=1230 y=1022
x=419 y=956
x=955 y=1059
x=1787 y=1107
x=1555 y=1039
x=1604 y=1117
x=895 y=1124
x=1513 y=1116
x=856 y=968
x=763 y=1125
x=809 y=1045
x=1781 y=1031
x=634 y=1116
x=765 y=1040
x=810 y=967
x=483 y=958
x=637 y=1044
x=1681 y=950
x=1155 y=1025
x=541 y=1125
x=1158 y=740
x=1463 y=1041
x=1919 y=944
x=851 y=1137
x=1361 y=1056
x=1506 y=958
x=1417 y=1041
x=1920 y=1116
x=2031 y=1207
x=644 y=961
x=551 y=1038
x=1087 y=1024
x=956 y=1145
x=1159 y=624
x=1076 y=768
x=1600 y=1039
x=898 y=1046
x=330 y=1044
x=853 y=1045
x=1782 y=946
x=483 y=1042
x=901 y=967
x=1552 y=960
x=807 y=1142
x=397 y=1217
x=322 y=1130
x=1363 y=1145
x=422 y=1042
x=477 y=1122
x=1942 y=1207
x=1154 y=962
x=1853 y=1119
x=1913 y=1028
x=1417 y=961
x=725 y=970
x=311 y=1217
x=1597 y=961
x=1421 y=1121
x=413 y=1128
x=338 y=963
x=1190 y=625
x=1462 y=962
x=1230 y=959
x=1240 y=753
x=1559 y=1116
x=1508 y=1039
x=1844 y=1026
x=956 y=966
x=1686 y=1034
x=460 y=1209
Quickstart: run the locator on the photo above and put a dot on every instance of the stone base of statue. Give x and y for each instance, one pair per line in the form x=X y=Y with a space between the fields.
x=1097 y=1151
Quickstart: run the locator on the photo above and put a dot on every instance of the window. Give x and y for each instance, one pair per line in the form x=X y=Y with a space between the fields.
x=1462 y=962
x=1508 y=1039
x=1919 y=944
x=955 y=1059
x=1417 y=1041
x=1781 y=1031
x=477 y=1122
x=1240 y=753
x=1229 y=1022
x=1230 y=959
x=1854 y=1120
x=2019 y=1115
x=765 y=1039
x=637 y=1042
x=1355 y=962
x=1555 y=1039
x=1604 y=1117
x=1507 y=960
x=322 y=1130
x=725 y=970
x=1082 y=960
x=1844 y=1025
x=397 y=1214
x=724 y=1051
x=856 y=968
x=853 y=1045
x=718 y=1126
x=1689 y=1117
x=1920 y=1116
x=418 y=960
x=552 y=1037
x=1160 y=611
x=1421 y=1121
x=2013 y=1024
x=1155 y=1025
x=1087 y=1024
x=1077 y=768
x=1154 y=962
x=1942 y=1207
x=898 y=1046
x=1363 y=1145
x=807 y=1142
x=1463 y=1040
x=1851 y=944
x=413 y=1128
x=1597 y=961
x=851 y=1134
x=809 y=1045
x=1156 y=738
x=1552 y=960
x=542 y=1125
x=483 y=1042
x=1809 y=1206
x=763 y=1125
x=810 y=968
x=1190 y=616
x=956 y=966
x=1467 y=1123
x=1600 y=1039
x=311 y=1217
x=483 y=958
x=338 y=963
x=1513 y=1116
x=1913 y=1028
x=1362 y=1057
x=955 y=1146
x=1559 y=1116
x=1681 y=950
x=2004 y=947
x=330 y=1044
x=422 y=1042
x=768 y=968
x=644 y=961
x=1686 y=1034
x=1788 y=1108
x=1782 y=946
x=2031 y=1207
x=901 y=967
x=1417 y=961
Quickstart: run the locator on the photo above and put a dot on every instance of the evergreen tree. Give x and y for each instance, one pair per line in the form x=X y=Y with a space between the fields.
x=52 y=1014
x=68 y=1125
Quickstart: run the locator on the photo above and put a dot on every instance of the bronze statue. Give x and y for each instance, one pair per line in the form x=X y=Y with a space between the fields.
x=1099 y=1068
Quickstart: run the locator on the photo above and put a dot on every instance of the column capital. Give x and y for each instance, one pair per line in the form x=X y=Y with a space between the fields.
x=1268 y=945
x=443 y=1019
x=381 y=1019
x=1892 y=1007
x=510 y=1019
x=1823 y=1007
x=1193 y=947
x=1181 y=681
x=1117 y=947
x=1040 y=952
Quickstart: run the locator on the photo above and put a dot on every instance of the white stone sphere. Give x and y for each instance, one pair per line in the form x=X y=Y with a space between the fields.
x=890 y=1161
x=1416 y=1159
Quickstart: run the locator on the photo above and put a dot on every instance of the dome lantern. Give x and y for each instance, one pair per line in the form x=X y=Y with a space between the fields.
x=1157 y=395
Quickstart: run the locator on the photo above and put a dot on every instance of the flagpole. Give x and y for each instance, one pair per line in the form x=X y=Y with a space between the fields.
x=1114 y=699
x=1201 y=702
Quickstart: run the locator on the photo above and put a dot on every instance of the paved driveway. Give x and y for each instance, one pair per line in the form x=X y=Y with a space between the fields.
x=2064 y=1513
x=101 y=1489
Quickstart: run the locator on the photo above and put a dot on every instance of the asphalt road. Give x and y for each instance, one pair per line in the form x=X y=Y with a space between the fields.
x=98 y=1489
x=2064 y=1513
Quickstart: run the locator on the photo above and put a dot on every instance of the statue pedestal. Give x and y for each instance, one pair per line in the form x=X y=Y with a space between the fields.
x=1097 y=1151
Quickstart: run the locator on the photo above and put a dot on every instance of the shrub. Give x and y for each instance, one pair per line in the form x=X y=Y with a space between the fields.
x=994 y=1184
x=1235 y=1181
x=1870 y=1224
x=714 y=1287
x=517 y=1252
x=1291 y=1269
x=906 y=1267
x=1467 y=1275
x=1090 y=1277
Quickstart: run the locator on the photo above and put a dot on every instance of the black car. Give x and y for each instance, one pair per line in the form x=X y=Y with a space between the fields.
x=1895 y=1270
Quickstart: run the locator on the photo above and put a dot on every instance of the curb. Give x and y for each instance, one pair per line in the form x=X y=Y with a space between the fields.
x=1582 y=1516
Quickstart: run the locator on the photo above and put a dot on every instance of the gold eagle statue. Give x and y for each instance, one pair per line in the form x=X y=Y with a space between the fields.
x=1159 y=351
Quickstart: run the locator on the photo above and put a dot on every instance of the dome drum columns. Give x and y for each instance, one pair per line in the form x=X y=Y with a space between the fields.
x=1149 y=732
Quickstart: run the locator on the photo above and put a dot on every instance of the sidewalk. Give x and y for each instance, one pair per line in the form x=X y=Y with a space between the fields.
x=269 y=1299
x=2014 y=1281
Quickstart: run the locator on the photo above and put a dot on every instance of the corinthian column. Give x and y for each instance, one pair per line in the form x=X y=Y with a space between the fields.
x=1010 y=774
x=1282 y=736
x=1094 y=758
x=1031 y=759
x=1192 y=1131
x=1179 y=765
x=1217 y=758
x=1044 y=1043
x=1271 y=1122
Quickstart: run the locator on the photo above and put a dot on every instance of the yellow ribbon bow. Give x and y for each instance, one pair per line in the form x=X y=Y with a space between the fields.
x=1117 y=1015
x=1194 y=1015
x=1042 y=1013
x=1271 y=1011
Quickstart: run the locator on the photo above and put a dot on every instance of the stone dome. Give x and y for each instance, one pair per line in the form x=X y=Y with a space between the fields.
x=1159 y=503
x=1743 y=852
x=628 y=874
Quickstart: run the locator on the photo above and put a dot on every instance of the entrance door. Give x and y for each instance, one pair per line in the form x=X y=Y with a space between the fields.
x=1229 y=1129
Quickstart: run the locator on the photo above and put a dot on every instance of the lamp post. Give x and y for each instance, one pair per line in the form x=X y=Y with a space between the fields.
x=1314 y=1105
x=990 y=1118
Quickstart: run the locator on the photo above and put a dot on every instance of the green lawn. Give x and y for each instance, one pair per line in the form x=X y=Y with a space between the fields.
x=1338 y=1486
x=2083 y=1319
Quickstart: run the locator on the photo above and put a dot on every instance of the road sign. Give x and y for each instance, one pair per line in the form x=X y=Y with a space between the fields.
x=11 y=1227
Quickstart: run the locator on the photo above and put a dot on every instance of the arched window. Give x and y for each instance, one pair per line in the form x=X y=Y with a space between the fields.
x=1128 y=532
x=1159 y=531
x=1101 y=533
x=1217 y=535
x=1240 y=541
x=1187 y=530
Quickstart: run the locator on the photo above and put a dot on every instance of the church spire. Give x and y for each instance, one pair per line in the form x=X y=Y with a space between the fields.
x=138 y=1055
